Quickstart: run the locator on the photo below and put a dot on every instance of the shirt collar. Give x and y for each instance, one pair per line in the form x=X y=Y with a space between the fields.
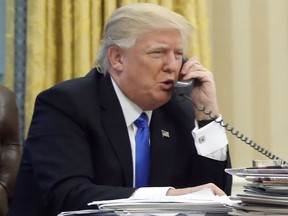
x=130 y=110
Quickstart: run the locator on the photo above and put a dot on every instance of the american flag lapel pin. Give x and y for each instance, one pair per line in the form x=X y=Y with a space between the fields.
x=165 y=134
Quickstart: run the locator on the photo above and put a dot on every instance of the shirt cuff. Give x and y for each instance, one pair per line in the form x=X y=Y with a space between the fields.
x=211 y=140
x=150 y=192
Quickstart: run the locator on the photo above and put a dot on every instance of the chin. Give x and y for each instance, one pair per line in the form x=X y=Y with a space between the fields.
x=158 y=100
x=161 y=102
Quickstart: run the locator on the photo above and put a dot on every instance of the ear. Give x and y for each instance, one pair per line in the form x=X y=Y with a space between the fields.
x=115 y=56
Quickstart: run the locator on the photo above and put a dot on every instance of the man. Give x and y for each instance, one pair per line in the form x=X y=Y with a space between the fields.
x=81 y=144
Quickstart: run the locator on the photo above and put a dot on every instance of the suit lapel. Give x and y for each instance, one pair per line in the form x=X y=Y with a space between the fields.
x=162 y=138
x=162 y=142
x=115 y=127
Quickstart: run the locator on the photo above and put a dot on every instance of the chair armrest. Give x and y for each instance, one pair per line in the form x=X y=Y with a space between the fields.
x=4 y=201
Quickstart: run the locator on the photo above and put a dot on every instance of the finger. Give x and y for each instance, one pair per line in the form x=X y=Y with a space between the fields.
x=216 y=190
x=195 y=62
x=200 y=74
x=192 y=65
x=197 y=67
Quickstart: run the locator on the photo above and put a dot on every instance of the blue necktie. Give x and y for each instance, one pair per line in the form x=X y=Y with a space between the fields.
x=142 y=152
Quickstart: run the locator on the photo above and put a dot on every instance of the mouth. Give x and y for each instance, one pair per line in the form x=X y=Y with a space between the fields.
x=167 y=84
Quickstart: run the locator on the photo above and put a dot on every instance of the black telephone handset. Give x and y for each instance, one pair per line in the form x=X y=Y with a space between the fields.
x=183 y=89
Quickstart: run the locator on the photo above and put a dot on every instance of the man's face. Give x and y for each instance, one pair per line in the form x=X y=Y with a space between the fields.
x=151 y=67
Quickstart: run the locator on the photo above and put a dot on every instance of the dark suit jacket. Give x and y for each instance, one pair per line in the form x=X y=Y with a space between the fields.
x=78 y=150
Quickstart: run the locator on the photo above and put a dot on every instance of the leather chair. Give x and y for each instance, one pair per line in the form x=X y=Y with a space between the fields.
x=10 y=147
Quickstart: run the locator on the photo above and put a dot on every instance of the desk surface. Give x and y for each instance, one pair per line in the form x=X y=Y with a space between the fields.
x=130 y=214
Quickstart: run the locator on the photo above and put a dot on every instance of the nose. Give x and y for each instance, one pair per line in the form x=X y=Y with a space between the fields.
x=170 y=63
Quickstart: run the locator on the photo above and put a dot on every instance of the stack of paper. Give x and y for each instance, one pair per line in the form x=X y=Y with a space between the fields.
x=266 y=191
x=94 y=212
x=199 y=203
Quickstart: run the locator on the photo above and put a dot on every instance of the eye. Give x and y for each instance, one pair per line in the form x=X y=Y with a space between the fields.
x=157 y=53
x=178 y=55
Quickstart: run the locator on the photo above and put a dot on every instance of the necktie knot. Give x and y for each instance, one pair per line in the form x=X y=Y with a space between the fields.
x=142 y=121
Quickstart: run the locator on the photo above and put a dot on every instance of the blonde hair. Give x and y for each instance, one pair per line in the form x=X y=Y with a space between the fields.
x=127 y=22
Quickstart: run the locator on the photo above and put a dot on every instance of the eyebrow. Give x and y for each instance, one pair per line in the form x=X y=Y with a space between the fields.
x=158 y=46
x=162 y=47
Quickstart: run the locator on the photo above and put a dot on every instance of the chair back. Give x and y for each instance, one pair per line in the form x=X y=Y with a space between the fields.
x=10 y=147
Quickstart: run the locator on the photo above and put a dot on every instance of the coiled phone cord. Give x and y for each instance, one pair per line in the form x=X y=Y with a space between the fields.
x=235 y=132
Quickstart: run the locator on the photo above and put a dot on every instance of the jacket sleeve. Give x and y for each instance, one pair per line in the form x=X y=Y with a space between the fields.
x=60 y=155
